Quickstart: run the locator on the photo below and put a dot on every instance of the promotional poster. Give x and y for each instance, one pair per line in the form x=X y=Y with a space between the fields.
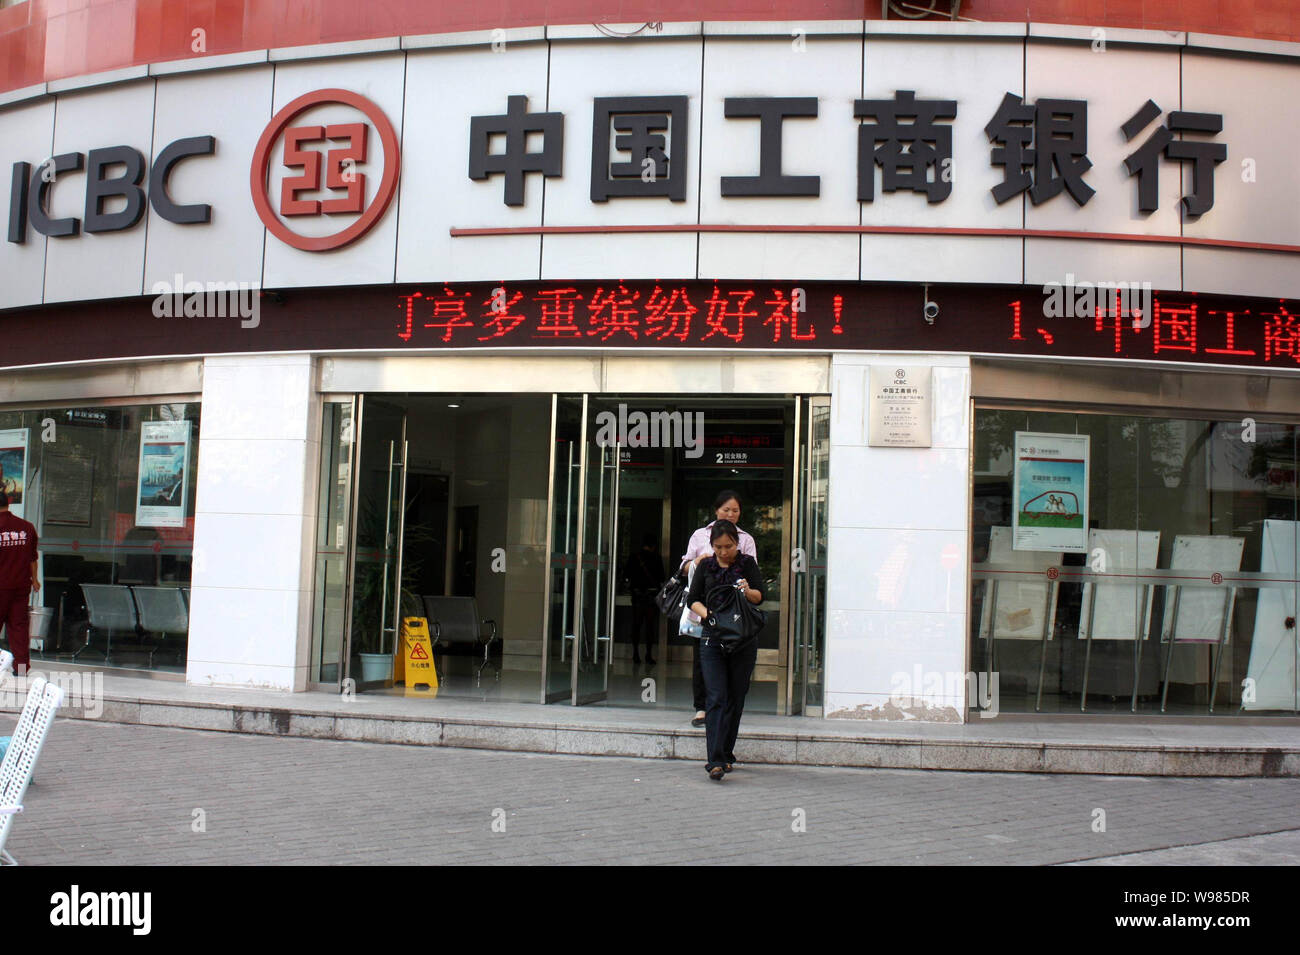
x=164 y=461
x=13 y=468
x=1051 y=492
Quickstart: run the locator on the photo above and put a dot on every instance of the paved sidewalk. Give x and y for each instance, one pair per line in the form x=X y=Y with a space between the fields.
x=1278 y=848
x=1137 y=746
x=111 y=793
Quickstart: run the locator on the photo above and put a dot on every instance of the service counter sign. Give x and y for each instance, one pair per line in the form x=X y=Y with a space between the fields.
x=164 y=463
x=1050 y=492
x=900 y=407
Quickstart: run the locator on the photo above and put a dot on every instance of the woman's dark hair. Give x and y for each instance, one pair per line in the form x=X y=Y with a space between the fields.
x=723 y=529
x=4 y=499
x=725 y=496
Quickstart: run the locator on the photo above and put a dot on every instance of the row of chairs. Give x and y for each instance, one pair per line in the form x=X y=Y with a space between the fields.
x=162 y=612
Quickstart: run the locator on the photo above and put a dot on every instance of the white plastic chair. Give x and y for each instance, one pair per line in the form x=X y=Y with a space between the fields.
x=43 y=699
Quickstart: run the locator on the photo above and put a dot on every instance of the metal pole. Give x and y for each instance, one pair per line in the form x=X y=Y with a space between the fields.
x=1087 y=653
x=568 y=527
x=1223 y=638
x=992 y=590
x=1173 y=639
x=388 y=535
x=401 y=542
x=1047 y=633
x=600 y=529
x=613 y=557
x=1137 y=651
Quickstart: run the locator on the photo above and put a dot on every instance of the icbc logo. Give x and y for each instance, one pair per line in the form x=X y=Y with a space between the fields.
x=322 y=173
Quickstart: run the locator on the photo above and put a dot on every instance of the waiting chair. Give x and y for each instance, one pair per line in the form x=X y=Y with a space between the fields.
x=43 y=699
x=455 y=620
x=109 y=607
x=162 y=612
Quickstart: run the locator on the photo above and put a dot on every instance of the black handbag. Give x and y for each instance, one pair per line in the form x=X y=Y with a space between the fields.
x=733 y=620
x=671 y=598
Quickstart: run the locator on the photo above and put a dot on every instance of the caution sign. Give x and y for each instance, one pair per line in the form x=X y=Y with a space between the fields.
x=414 y=665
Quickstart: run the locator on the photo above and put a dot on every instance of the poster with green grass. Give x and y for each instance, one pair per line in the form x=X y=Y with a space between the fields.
x=1050 y=484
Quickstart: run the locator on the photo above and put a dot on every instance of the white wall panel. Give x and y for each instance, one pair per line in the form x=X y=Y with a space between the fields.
x=28 y=133
x=444 y=89
x=828 y=68
x=1260 y=103
x=897 y=518
x=927 y=258
x=233 y=106
x=1257 y=188
x=976 y=75
x=1055 y=260
x=1239 y=272
x=578 y=73
x=106 y=264
x=1116 y=83
x=370 y=259
x=250 y=621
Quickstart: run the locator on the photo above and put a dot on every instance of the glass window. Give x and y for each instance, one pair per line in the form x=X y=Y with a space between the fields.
x=1176 y=593
x=333 y=509
x=111 y=493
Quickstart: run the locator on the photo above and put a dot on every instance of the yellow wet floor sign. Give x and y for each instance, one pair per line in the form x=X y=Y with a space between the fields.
x=414 y=664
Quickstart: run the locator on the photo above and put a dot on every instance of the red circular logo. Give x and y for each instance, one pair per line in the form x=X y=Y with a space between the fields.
x=1216 y=578
x=337 y=167
x=1053 y=573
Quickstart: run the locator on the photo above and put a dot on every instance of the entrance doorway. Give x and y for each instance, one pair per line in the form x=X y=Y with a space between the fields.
x=526 y=513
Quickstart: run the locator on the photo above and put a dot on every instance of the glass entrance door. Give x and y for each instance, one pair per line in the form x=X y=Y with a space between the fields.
x=376 y=543
x=808 y=560
x=583 y=563
x=600 y=565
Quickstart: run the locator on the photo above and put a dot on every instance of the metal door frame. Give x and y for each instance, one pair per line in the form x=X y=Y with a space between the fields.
x=359 y=410
x=802 y=615
x=353 y=401
x=572 y=615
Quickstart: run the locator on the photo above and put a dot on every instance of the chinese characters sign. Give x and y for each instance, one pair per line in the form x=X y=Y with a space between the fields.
x=900 y=407
x=674 y=315
x=822 y=316
x=1041 y=147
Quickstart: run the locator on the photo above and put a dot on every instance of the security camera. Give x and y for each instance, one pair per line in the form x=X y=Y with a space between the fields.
x=930 y=310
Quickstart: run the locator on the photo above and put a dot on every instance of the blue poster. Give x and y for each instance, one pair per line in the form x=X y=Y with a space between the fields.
x=164 y=462
x=1050 y=492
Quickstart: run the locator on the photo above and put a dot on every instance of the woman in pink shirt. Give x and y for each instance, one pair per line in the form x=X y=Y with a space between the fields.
x=726 y=507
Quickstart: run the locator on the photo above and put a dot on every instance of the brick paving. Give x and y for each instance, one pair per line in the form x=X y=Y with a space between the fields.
x=117 y=794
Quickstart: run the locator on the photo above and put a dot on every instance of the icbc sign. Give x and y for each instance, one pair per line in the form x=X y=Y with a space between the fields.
x=322 y=172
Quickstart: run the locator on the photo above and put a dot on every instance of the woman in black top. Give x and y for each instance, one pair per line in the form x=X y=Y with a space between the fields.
x=726 y=670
